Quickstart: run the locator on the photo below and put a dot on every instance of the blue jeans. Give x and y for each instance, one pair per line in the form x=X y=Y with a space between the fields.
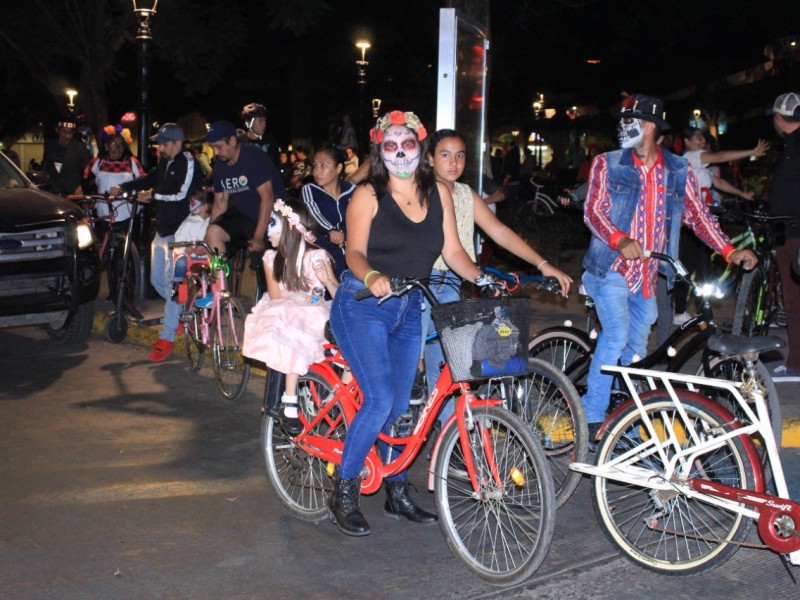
x=626 y=319
x=162 y=270
x=381 y=343
x=446 y=287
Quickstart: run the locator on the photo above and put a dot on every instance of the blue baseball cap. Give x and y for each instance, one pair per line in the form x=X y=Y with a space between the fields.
x=221 y=130
x=169 y=132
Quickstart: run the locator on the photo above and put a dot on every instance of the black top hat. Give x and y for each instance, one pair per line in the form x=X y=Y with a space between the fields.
x=643 y=107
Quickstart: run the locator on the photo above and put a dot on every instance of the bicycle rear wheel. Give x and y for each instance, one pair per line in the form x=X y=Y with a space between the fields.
x=301 y=482
x=730 y=368
x=549 y=404
x=504 y=533
x=568 y=349
x=666 y=531
x=231 y=369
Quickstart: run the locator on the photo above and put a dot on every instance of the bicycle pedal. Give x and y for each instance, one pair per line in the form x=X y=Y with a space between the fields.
x=780 y=320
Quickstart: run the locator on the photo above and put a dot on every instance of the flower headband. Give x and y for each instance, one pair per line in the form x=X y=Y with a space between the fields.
x=110 y=130
x=294 y=221
x=397 y=117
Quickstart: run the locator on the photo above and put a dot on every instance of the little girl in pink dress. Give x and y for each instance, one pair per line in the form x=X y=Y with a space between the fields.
x=286 y=328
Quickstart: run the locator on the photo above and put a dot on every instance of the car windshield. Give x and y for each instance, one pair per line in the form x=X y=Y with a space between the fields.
x=10 y=177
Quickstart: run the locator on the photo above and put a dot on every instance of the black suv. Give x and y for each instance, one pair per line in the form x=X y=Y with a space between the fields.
x=48 y=260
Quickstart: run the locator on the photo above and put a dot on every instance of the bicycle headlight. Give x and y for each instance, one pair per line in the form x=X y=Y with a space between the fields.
x=710 y=290
x=85 y=234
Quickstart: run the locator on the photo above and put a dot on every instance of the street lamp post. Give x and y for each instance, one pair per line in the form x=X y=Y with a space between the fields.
x=362 y=45
x=144 y=11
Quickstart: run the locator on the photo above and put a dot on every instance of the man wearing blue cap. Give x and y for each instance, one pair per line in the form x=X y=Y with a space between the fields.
x=246 y=184
x=173 y=180
x=784 y=199
x=638 y=197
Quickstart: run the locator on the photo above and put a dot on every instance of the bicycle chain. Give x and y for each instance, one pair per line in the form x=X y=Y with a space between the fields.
x=692 y=536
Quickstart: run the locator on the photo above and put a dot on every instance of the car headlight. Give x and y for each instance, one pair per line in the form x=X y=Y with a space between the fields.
x=85 y=234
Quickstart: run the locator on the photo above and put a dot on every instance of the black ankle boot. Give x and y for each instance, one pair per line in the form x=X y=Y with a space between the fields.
x=343 y=508
x=399 y=504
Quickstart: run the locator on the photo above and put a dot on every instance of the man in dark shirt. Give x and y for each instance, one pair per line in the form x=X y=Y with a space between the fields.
x=65 y=159
x=246 y=184
x=784 y=199
x=173 y=180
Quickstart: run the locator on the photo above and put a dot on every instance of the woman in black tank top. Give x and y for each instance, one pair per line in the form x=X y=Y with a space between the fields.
x=397 y=225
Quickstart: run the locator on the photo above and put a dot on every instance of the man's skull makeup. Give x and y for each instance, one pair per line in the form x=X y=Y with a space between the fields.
x=275 y=226
x=630 y=132
x=400 y=151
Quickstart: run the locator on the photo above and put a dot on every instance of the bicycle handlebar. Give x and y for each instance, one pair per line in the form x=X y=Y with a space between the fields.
x=211 y=251
x=758 y=217
x=402 y=285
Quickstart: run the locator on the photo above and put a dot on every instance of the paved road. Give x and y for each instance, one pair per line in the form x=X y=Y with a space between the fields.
x=124 y=479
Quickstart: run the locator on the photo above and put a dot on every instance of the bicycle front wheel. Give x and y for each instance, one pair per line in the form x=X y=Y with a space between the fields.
x=118 y=274
x=231 y=370
x=193 y=319
x=502 y=531
x=301 y=482
x=546 y=400
x=750 y=314
x=667 y=531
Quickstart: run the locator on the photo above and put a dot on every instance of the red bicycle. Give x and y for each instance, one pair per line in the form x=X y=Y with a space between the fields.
x=493 y=488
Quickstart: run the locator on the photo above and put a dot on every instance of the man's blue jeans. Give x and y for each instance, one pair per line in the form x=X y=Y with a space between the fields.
x=446 y=287
x=381 y=343
x=161 y=276
x=626 y=319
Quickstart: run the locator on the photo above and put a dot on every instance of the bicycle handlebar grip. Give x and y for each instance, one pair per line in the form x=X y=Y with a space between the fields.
x=362 y=294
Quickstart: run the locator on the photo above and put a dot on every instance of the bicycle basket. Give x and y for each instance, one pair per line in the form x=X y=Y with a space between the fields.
x=485 y=337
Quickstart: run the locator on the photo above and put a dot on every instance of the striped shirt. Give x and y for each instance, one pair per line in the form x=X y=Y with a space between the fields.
x=649 y=221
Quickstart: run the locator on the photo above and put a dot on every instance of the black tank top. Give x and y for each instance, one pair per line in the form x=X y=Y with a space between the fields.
x=398 y=247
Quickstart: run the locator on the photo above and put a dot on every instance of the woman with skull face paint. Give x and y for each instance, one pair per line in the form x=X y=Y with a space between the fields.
x=638 y=198
x=398 y=223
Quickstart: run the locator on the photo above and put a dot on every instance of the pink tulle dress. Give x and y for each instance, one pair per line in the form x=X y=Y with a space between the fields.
x=287 y=333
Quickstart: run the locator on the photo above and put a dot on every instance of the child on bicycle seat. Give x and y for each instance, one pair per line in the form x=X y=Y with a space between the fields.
x=192 y=229
x=286 y=329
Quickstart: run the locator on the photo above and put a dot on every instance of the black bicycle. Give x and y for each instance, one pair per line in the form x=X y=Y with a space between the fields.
x=570 y=349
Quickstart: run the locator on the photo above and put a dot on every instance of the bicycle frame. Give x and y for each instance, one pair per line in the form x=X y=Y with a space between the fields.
x=772 y=513
x=348 y=397
x=212 y=315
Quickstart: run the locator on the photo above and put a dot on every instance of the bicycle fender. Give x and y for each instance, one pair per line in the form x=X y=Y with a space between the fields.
x=563 y=328
x=720 y=411
x=475 y=404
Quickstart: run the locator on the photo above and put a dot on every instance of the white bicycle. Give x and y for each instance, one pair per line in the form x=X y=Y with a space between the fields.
x=679 y=479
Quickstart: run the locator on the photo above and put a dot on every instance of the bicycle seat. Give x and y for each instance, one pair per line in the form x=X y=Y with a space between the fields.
x=735 y=345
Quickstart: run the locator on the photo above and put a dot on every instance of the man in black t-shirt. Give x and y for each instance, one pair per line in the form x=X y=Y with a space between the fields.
x=246 y=184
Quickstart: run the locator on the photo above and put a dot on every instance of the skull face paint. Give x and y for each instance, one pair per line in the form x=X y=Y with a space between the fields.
x=275 y=226
x=400 y=151
x=630 y=132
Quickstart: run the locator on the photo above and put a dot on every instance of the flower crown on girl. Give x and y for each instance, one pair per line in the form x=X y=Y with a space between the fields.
x=294 y=222
x=397 y=117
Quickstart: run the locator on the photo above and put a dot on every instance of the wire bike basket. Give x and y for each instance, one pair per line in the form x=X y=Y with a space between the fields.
x=484 y=337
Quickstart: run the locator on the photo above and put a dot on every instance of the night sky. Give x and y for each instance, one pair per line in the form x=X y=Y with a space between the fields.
x=308 y=79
